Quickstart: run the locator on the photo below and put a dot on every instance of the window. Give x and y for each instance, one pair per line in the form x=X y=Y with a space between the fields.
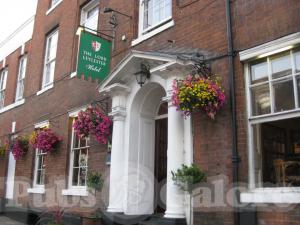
x=50 y=57
x=39 y=173
x=39 y=166
x=21 y=78
x=274 y=119
x=154 y=13
x=79 y=160
x=3 y=78
x=89 y=15
x=54 y=2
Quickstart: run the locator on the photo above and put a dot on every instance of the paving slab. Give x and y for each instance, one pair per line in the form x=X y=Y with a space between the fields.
x=7 y=221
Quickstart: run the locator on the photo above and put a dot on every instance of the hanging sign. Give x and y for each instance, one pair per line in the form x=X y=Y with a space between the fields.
x=93 y=56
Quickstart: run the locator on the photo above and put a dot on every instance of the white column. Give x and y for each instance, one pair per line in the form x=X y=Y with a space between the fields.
x=117 y=168
x=175 y=197
x=116 y=188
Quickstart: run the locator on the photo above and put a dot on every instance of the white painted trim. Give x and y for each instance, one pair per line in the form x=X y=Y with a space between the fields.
x=74 y=113
x=272 y=195
x=73 y=74
x=75 y=192
x=53 y=7
x=36 y=190
x=269 y=47
x=45 y=89
x=11 y=106
x=152 y=33
x=41 y=124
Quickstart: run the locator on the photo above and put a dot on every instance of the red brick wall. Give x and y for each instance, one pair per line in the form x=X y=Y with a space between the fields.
x=198 y=25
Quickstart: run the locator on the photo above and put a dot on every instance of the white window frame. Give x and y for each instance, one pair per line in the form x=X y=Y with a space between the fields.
x=71 y=189
x=21 y=78
x=3 y=80
x=38 y=188
x=49 y=61
x=84 y=13
x=256 y=193
x=53 y=5
x=150 y=31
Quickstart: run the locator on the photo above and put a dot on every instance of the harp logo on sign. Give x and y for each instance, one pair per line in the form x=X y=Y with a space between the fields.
x=96 y=46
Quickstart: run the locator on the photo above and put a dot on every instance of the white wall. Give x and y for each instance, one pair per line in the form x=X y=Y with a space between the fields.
x=17 y=39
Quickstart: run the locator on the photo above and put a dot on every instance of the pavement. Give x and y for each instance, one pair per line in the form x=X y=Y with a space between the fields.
x=6 y=221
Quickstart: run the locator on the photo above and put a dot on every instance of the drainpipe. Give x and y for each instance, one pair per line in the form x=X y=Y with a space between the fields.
x=235 y=157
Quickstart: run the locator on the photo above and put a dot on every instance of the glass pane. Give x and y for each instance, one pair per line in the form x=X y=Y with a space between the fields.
x=298 y=84
x=75 y=177
x=82 y=176
x=259 y=72
x=297 y=61
x=75 y=141
x=76 y=158
x=284 y=95
x=260 y=100
x=83 y=160
x=83 y=142
x=281 y=65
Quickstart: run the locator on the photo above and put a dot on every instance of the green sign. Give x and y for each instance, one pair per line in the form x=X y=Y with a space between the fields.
x=93 y=56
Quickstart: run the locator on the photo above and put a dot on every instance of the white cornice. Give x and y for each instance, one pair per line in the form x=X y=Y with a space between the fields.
x=271 y=46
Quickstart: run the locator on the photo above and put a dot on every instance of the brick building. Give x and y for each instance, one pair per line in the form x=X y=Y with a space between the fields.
x=252 y=144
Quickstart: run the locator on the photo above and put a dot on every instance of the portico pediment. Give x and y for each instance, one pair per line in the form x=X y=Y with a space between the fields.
x=160 y=64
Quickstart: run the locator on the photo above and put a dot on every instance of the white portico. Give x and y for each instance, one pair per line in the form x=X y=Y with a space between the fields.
x=135 y=112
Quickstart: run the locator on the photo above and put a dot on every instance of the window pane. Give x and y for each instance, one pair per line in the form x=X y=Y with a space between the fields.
x=259 y=72
x=82 y=176
x=76 y=158
x=281 y=65
x=83 y=158
x=155 y=11
x=284 y=96
x=298 y=84
x=75 y=177
x=2 y=95
x=297 y=59
x=260 y=100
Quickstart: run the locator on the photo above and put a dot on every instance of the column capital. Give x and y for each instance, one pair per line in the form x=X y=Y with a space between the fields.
x=118 y=113
x=115 y=90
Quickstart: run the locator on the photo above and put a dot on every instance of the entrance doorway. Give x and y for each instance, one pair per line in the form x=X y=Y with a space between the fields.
x=161 y=146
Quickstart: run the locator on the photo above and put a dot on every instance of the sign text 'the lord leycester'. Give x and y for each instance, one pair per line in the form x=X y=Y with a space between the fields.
x=93 y=56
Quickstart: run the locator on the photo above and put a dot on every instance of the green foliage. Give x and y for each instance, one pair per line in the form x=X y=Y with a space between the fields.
x=3 y=149
x=95 y=181
x=187 y=177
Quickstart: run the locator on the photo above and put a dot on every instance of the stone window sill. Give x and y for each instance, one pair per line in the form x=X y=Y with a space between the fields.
x=75 y=192
x=36 y=190
x=11 y=106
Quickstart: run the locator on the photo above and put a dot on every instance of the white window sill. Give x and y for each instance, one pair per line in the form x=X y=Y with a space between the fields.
x=11 y=106
x=36 y=190
x=152 y=33
x=44 y=89
x=73 y=74
x=53 y=7
x=75 y=192
x=289 y=195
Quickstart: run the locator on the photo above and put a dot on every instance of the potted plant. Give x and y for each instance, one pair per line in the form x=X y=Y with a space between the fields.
x=20 y=147
x=198 y=92
x=93 y=121
x=186 y=178
x=3 y=148
x=45 y=140
x=95 y=181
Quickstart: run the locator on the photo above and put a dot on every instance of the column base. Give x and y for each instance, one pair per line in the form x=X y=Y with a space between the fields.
x=174 y=215
x=114 y=210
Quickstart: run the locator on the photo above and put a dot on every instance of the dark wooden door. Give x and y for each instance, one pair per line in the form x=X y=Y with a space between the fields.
x=161 y=141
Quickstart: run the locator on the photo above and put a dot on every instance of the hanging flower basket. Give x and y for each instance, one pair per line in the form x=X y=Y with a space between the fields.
x=93 y=121
x=45 y=140
x=3 y=148
x=20 y=147
x=196 y=92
